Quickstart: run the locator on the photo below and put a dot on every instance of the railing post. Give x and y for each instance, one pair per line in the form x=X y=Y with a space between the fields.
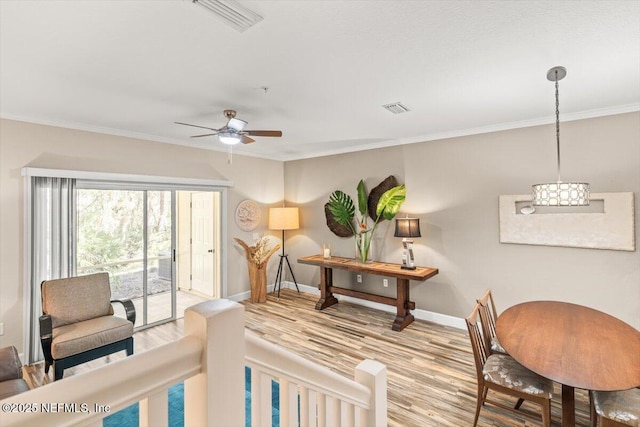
x=373 y=375
x=215 y=397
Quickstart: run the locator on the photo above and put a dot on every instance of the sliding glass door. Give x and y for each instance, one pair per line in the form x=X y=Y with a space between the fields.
x=161 y=239
x=130 y=234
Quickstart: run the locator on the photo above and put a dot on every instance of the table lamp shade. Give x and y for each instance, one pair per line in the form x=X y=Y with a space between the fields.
x=407 y=227
x=283 y=219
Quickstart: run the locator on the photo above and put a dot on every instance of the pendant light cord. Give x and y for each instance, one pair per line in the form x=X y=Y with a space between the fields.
x=558 y=125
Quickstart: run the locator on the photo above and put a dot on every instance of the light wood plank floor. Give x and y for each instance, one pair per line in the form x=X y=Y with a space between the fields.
x=431 y=373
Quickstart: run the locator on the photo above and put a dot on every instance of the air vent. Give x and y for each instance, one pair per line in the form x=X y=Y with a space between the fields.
x=232 y=13
x=396 y=108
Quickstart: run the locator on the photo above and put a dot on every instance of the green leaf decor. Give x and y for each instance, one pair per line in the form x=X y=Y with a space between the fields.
x=343 y=211
x=390 y=202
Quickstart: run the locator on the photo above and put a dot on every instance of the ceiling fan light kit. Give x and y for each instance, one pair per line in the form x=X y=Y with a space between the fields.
x=233 y=132
x=229 y=138
x=560 y=193
x=231 y=13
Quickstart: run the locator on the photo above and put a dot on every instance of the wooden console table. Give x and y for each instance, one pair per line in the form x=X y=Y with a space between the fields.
x=401 y=301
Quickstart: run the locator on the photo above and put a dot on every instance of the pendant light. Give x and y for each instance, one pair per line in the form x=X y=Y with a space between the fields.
x=560 y=193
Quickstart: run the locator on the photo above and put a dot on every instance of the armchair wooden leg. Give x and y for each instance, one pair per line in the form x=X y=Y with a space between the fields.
x=129 y=346
x=58 y=372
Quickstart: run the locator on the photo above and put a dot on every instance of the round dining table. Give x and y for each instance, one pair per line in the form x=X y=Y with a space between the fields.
x=576 y=346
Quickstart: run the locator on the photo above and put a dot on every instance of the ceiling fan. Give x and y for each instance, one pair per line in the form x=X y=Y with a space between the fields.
x=233 y=132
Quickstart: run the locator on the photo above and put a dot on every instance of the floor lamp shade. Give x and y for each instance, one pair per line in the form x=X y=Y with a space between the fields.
x=284 y=219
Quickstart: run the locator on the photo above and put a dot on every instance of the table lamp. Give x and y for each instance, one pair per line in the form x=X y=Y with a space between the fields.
x=407 y=228
x=283 y=219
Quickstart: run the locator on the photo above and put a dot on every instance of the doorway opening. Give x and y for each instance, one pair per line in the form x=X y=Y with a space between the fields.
x=198 y=259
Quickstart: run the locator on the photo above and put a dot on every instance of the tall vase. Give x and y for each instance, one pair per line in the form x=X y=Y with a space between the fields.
x=363 y=246
x=257 y=270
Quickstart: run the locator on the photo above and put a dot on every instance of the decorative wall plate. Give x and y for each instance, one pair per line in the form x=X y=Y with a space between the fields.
x=248 y=215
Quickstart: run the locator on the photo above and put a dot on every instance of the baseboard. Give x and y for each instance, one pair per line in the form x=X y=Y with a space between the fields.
x=429 y=316
x=246 y=295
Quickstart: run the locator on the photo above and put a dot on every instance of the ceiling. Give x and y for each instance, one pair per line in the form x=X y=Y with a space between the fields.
x=133 y=68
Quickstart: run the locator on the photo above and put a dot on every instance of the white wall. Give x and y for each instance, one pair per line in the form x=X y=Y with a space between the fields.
x=23 y=144
x=453 y=187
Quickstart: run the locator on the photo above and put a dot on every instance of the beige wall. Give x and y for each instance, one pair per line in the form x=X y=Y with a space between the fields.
x=23 y=144
x=453 y=187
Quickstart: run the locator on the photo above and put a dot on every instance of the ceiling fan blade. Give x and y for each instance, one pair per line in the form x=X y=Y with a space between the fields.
x=263 y=132
x=246 y=140
x=200 y=136
x=195 y=126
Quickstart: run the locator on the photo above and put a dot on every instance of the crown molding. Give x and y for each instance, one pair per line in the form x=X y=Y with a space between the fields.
x=588 y=114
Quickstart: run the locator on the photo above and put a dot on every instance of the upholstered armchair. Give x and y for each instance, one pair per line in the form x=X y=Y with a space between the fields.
x=11 y=381
x=78 y=322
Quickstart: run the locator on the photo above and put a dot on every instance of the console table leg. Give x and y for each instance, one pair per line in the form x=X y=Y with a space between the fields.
x=326 y=296
x=403 y=315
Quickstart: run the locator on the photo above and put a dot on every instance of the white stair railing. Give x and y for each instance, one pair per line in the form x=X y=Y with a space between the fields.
x=210 y=359
x=311 y=395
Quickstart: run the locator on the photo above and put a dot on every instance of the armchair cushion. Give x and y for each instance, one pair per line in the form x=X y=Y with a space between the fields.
x=91 y=299
x=10 y=365
x=11 y=381
x=79 y=337
x=12 y=387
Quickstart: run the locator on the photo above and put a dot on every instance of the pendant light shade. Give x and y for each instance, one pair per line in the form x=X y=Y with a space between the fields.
x=560 y=193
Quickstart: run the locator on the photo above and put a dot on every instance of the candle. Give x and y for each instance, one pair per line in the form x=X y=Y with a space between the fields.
x=326 y=251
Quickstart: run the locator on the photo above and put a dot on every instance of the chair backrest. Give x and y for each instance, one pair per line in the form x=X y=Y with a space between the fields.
x=76 y=299
x=478 y=344
x=488 y=317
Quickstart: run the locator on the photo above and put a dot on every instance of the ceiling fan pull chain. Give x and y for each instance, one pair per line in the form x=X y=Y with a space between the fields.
x=230 y=154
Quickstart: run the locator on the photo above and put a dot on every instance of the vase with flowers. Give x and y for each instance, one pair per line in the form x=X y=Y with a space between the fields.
x=374 y=206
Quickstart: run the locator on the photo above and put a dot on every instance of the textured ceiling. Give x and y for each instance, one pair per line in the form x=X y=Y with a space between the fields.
x=134 y=67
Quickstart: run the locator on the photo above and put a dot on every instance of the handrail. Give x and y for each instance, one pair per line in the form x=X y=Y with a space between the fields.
x=129 y=261
x=210 y=359
x=281 y=364
x=176 y=361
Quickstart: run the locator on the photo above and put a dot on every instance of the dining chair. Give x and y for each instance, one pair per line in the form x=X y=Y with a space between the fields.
x=501 y=373
x=615 y=408
x=488 y=316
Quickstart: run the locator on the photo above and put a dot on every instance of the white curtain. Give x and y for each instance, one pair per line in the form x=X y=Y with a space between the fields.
x=53 y=231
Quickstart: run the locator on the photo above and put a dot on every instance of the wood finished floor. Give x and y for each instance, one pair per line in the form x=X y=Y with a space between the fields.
x=431 y=375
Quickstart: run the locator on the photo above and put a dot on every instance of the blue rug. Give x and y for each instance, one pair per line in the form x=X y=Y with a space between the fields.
x=129 y=416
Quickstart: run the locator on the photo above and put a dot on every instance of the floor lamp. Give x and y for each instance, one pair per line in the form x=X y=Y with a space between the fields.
x=283 y=219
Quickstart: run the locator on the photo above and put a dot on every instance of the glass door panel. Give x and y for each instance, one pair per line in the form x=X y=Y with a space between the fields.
x=128 y=233
x=159 y=256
